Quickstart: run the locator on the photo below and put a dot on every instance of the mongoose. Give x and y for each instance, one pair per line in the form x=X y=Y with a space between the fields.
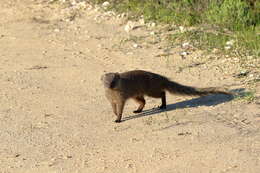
x=138 y=83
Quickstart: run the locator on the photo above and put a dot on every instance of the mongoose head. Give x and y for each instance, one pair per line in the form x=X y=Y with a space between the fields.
x=110 y=80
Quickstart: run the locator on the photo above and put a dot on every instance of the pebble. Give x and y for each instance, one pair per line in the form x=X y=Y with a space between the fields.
x=184 y=53
x=230 y=42
x=56 y=30
x=141 y=21
x=105 y=4
x=186 y=44
x=135 y=45
x=182 y=29
x=129 y=26
x=227 y=47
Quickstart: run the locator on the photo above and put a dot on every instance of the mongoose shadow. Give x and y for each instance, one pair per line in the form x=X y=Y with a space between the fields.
x=210 y=100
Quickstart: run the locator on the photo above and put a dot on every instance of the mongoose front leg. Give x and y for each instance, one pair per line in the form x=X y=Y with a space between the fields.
x=114 y=108
x=141 y=101
x=120 y=108
x=163 y=98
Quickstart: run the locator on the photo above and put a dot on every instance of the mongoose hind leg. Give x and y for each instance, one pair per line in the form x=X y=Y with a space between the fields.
x=163 y=98
x=160 y=94
x=141 y=101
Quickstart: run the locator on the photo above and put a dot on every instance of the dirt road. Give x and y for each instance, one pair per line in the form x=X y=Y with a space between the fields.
x=54 y=117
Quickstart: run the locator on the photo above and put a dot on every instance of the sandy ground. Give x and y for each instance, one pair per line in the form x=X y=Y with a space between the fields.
x=54 y=117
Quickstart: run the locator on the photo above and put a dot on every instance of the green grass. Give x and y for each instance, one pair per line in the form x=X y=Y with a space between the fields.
x=202 y=39
x=239 y=18
x=246 y=96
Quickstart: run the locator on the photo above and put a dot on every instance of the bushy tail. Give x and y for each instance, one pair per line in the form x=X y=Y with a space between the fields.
x=176 y=88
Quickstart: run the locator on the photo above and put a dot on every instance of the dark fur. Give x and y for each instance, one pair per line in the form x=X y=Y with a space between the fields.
x=136 y=84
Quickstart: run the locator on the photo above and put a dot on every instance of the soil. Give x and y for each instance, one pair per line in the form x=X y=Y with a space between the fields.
x=54 y=117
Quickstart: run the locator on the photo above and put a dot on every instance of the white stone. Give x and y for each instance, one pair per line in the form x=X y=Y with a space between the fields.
x=184 y=53
x=129 y=26
x=185 y=44
x=230 y=42
x=141 y=21
x=227 y=47
x=56 y=30
x=181 y=28
x=135 y=45
x=105 y=4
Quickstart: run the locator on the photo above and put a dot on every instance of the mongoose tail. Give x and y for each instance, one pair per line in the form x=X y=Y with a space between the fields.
x=176 y=88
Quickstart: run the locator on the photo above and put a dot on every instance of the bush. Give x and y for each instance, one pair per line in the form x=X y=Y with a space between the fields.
x=241 y=17
x=233 y=14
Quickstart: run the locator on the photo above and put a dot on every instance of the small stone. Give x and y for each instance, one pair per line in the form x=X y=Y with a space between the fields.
x=230 y=42
x=141 y=21
x=69 y=156
x=186 y=44
x=56 y=30
x=73 y=2
x=181 y=28
x=130 y=166
x=184 y=53
x=135 y=45
x=47 y=115
x=227 y=47
x=215 y=50
x=129 y=26
x=105 y=4
x=153 y=24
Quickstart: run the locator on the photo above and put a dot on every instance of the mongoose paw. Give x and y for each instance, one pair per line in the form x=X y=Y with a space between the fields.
x=162 y=107
x=117 y=121
x=137 y=111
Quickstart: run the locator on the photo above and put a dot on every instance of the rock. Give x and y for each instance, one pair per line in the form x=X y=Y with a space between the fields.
x=230 y=42
x=129 y=26
x=184 y=53
x=122 y=15
x=215 y=50
x=56 y=30
x=186 y=44
x=152 y=33
x=182 y=29
x=141 y=21
x=82 y=5
x=105 y=4
x=227 y=47
x=242 y=73
x=69 y=157
x=135 y=45
x=151 y=24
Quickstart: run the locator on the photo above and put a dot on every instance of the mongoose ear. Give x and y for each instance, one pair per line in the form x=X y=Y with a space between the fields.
x=115 y=78
x=110 y=79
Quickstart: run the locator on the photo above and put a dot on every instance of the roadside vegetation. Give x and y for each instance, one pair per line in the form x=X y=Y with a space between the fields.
x=216 y=23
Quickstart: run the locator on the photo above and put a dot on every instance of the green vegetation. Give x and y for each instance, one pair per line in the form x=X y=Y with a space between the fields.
x=224 y=20
x=246 y=96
